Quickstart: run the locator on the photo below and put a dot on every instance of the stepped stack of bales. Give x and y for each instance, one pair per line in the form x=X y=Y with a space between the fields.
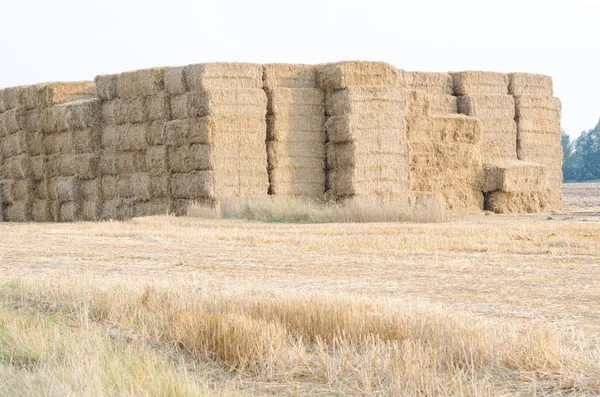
x=44 y=127
x=135 y=110
x=445 y=154
x=217 y=137
x=484 y=95
x=539 y=132
x=295 y=130
x=367 y=150
x=438 y=86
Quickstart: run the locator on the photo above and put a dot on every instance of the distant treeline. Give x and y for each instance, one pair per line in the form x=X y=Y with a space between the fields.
x=581 y=157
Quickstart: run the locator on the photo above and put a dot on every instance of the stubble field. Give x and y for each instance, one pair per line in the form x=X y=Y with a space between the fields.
x=477 y=305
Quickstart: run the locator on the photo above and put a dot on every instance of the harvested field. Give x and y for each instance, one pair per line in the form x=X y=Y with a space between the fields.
x=478 y=305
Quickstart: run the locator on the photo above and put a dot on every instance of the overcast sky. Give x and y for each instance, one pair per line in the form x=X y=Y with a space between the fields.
x=43 y=40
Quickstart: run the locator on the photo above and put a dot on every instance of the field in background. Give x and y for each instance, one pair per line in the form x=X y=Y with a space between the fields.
x=477 y=305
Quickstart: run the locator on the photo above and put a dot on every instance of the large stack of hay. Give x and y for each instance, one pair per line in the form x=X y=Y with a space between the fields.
x=135 y=110
x=217 y=137
x=445 y=154
x=539 y=132
x=50 y=133
x=367 y=150
x=295 y=130
x=438 y=86
x=484 y=95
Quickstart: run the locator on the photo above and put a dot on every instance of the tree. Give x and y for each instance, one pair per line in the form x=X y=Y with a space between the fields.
x=567 y=164
x=585 y=155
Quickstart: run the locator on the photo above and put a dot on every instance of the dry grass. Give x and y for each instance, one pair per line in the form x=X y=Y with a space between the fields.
x=482 y=305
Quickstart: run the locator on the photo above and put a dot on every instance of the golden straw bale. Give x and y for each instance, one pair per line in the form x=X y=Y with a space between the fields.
x=442 y=104
x=106 y=86
x=295 y=188
x=430 y=82
x=219 y=101
x=278 y=158
x=296 y=128
x=290 y=76
x=193 y=185
x=175 y=81
x=478 y=83
x=366 y=100
x=518 y=202
x=57 y=93
x=189 y=158
x=455 y=128
x=139 y=83
x=297 y=149
x=157 y=107
x=296 y=101
x=292 y=175
x=529 y=84
x=513 y=176
x=352 y=181
x=356 y=128
x=223 y=75
x=538 y=107
x=417 y=113
x=487 y=106
x=352 y=154
x=212 y=128
x=538 y=126
x=40 y=211
x=335 y=76
x=157 y=160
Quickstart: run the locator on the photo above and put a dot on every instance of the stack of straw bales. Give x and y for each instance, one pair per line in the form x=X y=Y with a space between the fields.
x=217 y=137
x=539 y=132
x=484 y=95
x=367 y=150
x=445 y=154
x=295 y=130
x=438 y=86
x=135 y=111
x=47 y=129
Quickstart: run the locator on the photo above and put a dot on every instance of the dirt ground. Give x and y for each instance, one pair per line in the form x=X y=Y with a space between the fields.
x=528 y=268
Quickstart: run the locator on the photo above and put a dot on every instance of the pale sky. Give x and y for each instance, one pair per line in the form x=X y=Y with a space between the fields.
x=43 y=40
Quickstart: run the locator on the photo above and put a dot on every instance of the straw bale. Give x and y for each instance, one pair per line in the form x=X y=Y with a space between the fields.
x=193 y=185
x=538 y=126
x=18 y=167
x=38 y=167
x=91 y=189
x=538 y=107
x=190 y=158
x=223 y=75
x=529 y=84
x=356 y=128
x=335 y=76
x=5 y=186
x=35 y=143
x=487 y=106
x=30 y=120
x=296 y=149
x=70 y=211
x=464 y=199
x=65 y=188
x=296 y=101
x=175 y=81
x=135 y=109
x=10 y=98
x=292 y=175
x=158 y=107
x=19 y=211
x=20 y=190
x=114 y=112
x=109 y=187
x=112 y=136
x=91 y=210
x=31 y=96
x=57 y=93
x=10 y=121
x=132 y=137
x=514 y=176
x=139 y=83
x=125 y=186
x=298 y=189
x=517 y=202
x=54 y=119
x=160 y=186
x=351 y=154
x=348 y=182
x=140 y=186
x=152 y=207
x=430 y=82
x=455 y=128
x=446 y=157
x=87 y=140
x=366 y=100
x=130 y=162
x=208 y=129
x=108 y=162
x=442 y=104
x=106 y=86
x=293 y=128
x=180 y=206
x=59 y=142
x=157 y=160
x=477 y=83
x=40 y=211
x=155 y=133
x=85 y=165
x=417 y=113
x=14 y=144
x=82 y=114
x=290 y=76
x=110 y=208
x=219 y=101
x=40 y=190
